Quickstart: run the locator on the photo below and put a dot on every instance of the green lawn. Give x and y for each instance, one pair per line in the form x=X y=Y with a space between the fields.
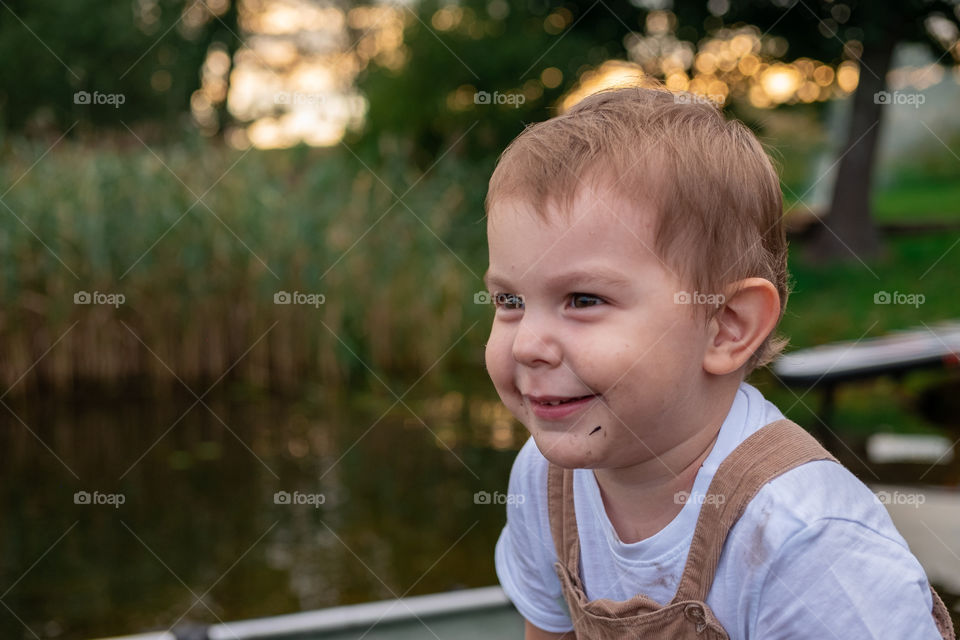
x=908 y=200
x=927 y=199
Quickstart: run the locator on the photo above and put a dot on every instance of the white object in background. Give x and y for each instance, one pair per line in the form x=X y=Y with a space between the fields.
x=900 y=447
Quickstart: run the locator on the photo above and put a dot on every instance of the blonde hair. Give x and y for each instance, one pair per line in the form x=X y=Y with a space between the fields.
x=715 y=189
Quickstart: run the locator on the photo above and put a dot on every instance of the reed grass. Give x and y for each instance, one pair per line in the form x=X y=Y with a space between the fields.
x=199 y=278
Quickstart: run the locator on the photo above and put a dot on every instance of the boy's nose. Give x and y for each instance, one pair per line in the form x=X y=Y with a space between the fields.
x=533 y=344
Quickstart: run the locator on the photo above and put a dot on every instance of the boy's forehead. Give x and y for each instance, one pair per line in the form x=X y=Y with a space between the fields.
x=593 y=235
x=592 y=212
x=597 y=199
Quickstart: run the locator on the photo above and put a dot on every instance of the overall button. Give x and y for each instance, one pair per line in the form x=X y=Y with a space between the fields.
x=695 y=613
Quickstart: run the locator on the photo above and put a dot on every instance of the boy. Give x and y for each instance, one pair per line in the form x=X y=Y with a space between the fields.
x=638 y=267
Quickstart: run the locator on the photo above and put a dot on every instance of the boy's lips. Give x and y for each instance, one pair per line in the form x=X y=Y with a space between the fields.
x=557 y=407
x=555 y=399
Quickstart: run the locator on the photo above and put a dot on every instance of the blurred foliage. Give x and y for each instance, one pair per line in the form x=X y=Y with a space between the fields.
x=199 y=277
x=491 y=46
x=824 y=30
x=481 y=45
x=149 y=51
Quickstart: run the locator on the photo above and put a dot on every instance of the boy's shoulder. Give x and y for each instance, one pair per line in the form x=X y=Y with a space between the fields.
x=817 y=508
x=816 y=539
x=807 y=495
x=817 y=490
x=812 y=492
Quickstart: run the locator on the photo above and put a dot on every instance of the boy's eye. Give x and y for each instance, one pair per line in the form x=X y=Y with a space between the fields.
x=583 y=300
x=513 y=301
x=508 y=301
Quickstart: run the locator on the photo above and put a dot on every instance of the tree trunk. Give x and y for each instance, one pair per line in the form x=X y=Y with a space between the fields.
x=848 y=231
x=226 y=30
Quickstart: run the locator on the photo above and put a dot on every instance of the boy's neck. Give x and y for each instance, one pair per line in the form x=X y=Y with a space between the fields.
x=642 y=499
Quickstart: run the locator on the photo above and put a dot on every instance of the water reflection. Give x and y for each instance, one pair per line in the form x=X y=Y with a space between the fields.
x=201 y=536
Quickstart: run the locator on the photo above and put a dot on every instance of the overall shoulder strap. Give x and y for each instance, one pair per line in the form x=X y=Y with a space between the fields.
x=941 y=616
x=770 y=451
x=563 y=519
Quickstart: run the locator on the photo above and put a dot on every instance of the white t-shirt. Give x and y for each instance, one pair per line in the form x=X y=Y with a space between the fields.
x=815 y=554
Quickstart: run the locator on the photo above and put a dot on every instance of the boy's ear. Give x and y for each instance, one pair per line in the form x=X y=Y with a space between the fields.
x=741 y=325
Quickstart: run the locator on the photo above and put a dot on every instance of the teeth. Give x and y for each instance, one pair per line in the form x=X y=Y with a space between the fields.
x=554 y=403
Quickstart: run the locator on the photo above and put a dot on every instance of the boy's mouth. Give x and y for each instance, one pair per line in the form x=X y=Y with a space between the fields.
x=553 y=401
x=559 y=408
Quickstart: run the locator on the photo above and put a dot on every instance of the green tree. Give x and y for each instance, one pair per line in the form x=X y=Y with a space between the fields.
x=141 y=57
x=429 y=104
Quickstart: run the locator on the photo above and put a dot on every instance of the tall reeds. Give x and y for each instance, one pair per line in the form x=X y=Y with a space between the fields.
x=199 y=277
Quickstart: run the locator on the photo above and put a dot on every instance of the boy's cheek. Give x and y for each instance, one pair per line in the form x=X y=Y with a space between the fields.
x=494 y=352
x=488 y=357
x=499 y=367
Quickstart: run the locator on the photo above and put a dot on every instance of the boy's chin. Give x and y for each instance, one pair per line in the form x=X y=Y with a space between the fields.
x=568 y=450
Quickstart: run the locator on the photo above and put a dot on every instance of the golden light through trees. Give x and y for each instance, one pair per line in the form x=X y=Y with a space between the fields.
x=292 y=81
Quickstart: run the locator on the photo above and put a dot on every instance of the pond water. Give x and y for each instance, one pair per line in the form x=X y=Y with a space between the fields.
x=148 y=510
x=143 y=511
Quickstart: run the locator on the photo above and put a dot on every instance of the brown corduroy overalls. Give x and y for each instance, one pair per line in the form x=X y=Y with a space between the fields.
x=772 y=450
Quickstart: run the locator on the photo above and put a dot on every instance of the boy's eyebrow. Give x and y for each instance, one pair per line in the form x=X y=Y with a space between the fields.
x=597 y=276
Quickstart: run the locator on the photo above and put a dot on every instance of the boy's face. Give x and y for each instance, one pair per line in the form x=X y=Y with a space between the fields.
x=623 y=338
